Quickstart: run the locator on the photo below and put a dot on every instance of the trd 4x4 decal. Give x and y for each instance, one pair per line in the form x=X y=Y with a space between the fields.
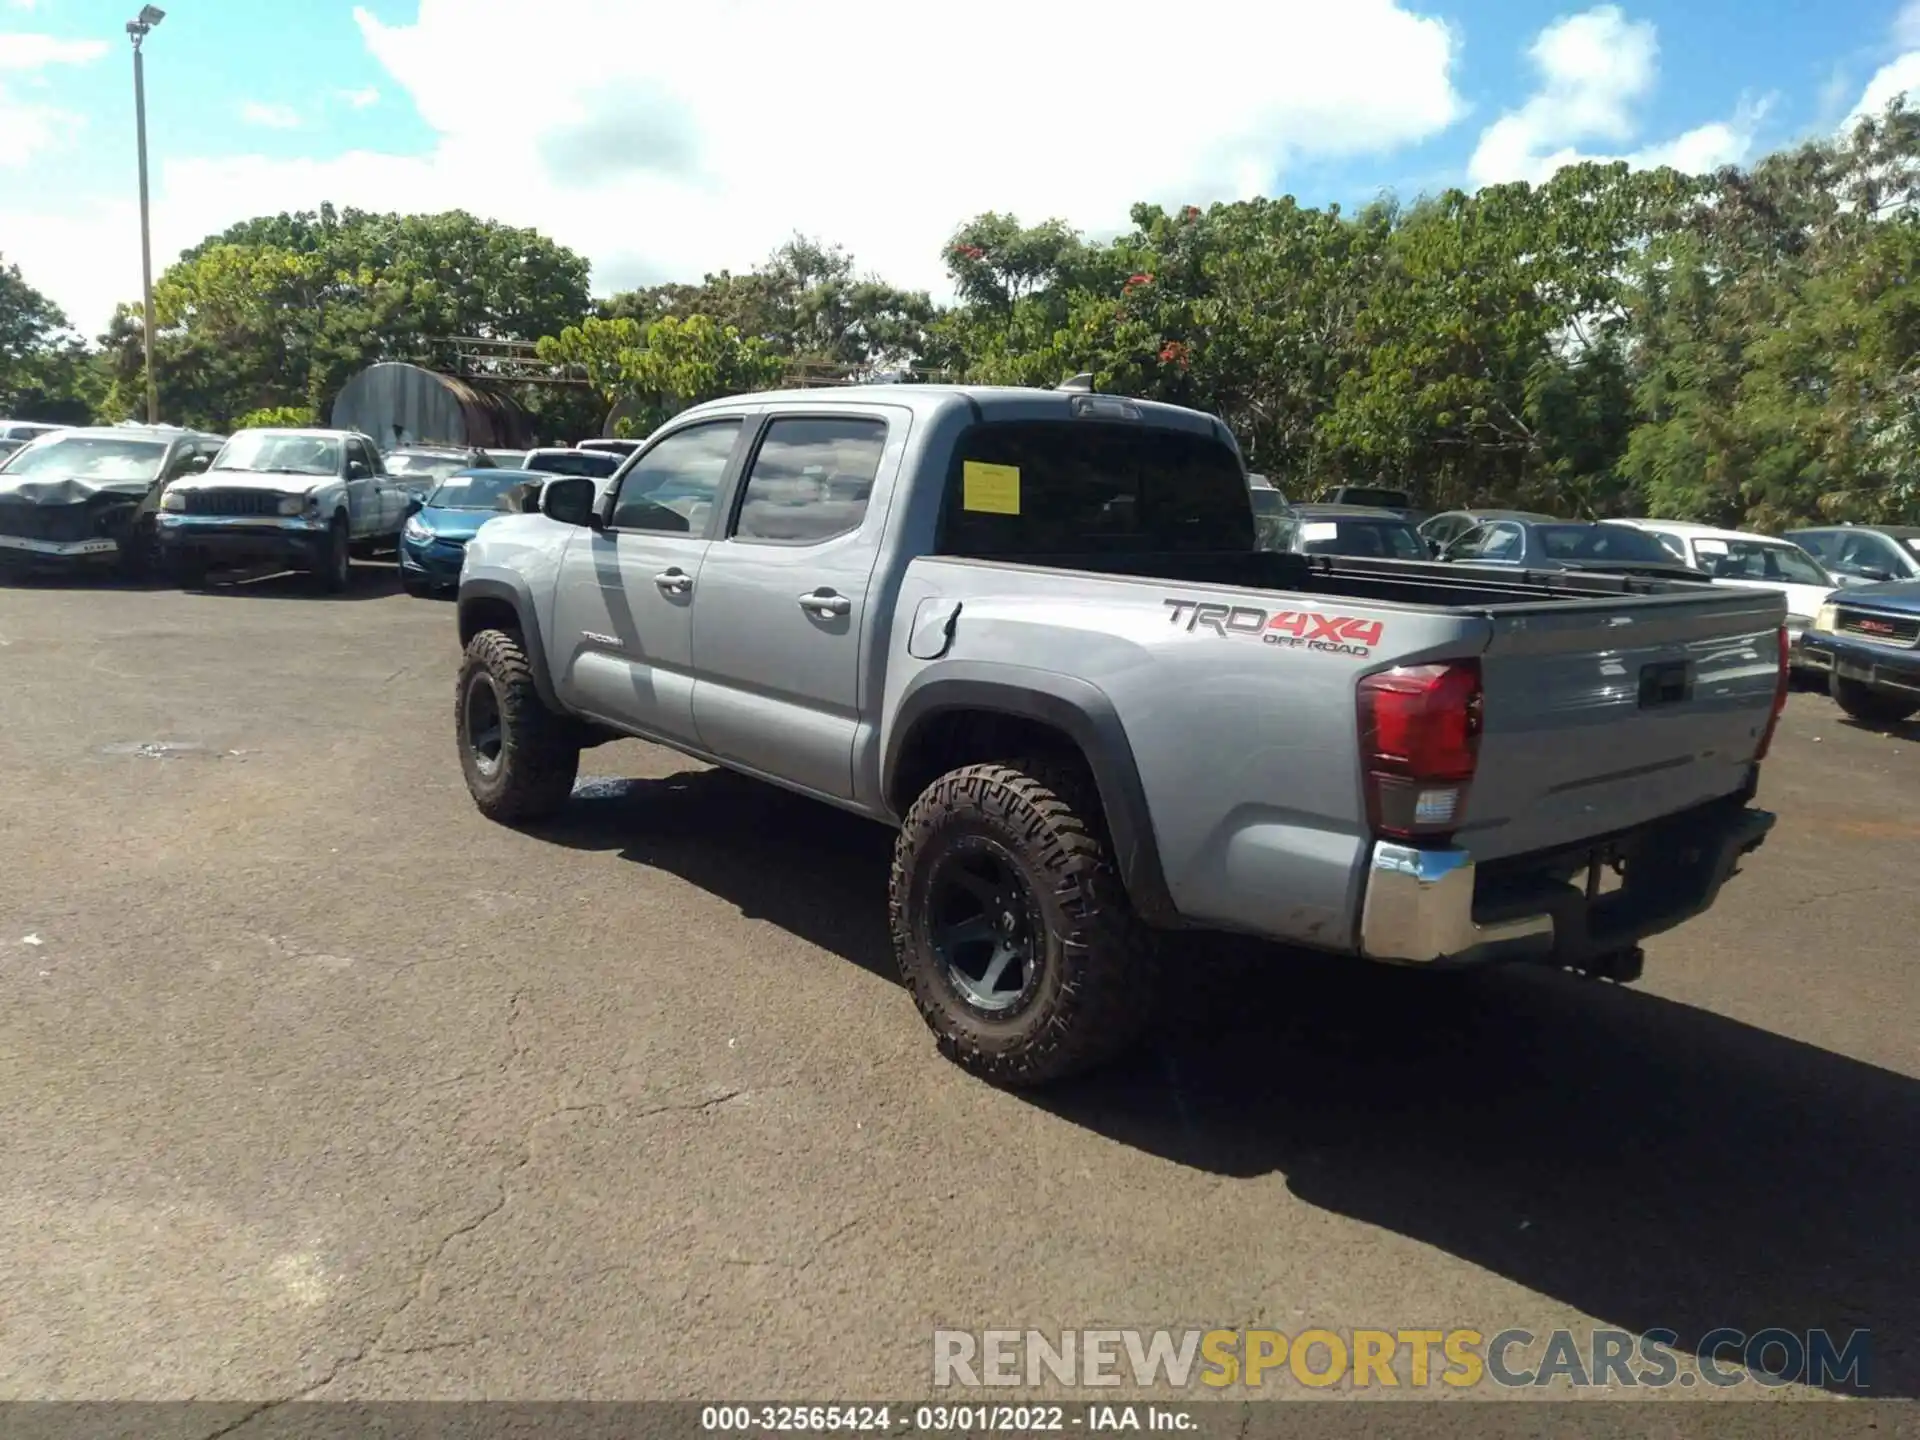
x=1294 y=629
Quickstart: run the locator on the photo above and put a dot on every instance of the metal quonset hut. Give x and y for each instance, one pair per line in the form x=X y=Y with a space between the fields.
x=622 y=410
x=399 y=404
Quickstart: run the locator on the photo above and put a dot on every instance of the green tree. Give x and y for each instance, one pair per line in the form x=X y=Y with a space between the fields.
x=42 y=363
x=282 y=310
x=665 y=366
x=277 y=417
x=1774 y=339
x=808 y=303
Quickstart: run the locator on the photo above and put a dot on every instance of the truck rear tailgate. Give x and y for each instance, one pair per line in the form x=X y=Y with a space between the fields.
x=1603 y=715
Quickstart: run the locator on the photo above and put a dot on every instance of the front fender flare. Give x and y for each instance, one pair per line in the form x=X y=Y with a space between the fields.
x=512 y=591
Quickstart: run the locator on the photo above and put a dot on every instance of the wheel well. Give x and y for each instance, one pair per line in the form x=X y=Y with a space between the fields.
x=486 y=612
x=951 y=738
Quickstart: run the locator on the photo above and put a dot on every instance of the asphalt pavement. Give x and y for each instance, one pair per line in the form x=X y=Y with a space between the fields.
x=313 y=1082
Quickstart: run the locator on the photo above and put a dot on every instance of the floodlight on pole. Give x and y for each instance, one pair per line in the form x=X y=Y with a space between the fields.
x=137 y=30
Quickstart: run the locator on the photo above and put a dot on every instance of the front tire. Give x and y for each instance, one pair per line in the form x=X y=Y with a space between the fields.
x=188 y=572
x=1012 y=928
x=1870 y=706
x=335 y=570
x=139 y=550
x=519 y=758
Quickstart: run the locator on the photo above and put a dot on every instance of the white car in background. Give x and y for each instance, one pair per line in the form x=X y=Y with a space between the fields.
x=1758 y=562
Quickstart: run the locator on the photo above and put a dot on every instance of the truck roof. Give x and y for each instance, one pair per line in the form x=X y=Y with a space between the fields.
x=1006 y=401
x=1328 y=510
x=316 y=432
x=1699 y=531
x=159 y=433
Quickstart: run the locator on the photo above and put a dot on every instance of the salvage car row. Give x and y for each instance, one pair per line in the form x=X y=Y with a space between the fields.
x=160 y=498
x=183 y=502
x=1852 y=591
x=1022 y=628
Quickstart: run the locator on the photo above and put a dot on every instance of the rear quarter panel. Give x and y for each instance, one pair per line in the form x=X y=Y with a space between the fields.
x=1244 y=734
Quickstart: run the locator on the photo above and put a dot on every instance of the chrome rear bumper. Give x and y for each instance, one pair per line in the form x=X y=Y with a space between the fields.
x=1419 y=903
x=1419 y=909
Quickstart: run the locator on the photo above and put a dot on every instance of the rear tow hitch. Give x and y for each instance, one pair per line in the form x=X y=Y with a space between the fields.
x=1622 y=966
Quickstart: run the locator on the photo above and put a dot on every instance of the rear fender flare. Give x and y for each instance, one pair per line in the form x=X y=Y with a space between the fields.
x=1077 y=709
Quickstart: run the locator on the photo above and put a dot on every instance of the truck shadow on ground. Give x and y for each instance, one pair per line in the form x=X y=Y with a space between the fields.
x=372 y=580
x=1908 y=730
x=1647 y=1162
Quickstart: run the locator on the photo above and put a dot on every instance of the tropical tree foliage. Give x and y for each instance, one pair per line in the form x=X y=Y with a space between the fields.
x=654 y=370
x=282 y=310
x=807 y=303
x=1742 y=347
x=42 y=371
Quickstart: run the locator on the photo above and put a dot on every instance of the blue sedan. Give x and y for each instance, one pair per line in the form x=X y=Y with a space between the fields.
x=434 y=541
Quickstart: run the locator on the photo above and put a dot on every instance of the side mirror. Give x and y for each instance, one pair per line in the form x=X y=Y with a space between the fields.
x=416 y=502
x=199 y=464
x=357 y=470
x=569 y=499
x=1873 y=573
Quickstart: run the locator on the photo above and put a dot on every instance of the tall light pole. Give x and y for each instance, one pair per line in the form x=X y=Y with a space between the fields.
x=137 y=28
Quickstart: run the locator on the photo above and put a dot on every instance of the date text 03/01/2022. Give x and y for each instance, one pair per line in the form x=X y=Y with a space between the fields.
x=944 y=1419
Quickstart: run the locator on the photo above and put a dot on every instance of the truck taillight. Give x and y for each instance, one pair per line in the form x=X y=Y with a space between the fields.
x=1780 y=685
x=1419 y=743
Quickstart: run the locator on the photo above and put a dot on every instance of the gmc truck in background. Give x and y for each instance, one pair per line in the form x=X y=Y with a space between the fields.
x=1032 y=631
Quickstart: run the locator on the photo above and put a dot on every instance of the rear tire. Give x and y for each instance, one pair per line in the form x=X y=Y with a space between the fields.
x=1870 y=706
x=520 y=759
x=1014 y=858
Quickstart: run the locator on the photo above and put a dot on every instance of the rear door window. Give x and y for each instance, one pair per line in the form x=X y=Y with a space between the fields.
x=1498 y=542
x=1816 y=542
x=811 y=479
x=1061 y=488
x=1859 y=550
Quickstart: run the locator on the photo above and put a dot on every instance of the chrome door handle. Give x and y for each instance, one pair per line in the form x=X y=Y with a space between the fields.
x=825 y=602
x=673 y=582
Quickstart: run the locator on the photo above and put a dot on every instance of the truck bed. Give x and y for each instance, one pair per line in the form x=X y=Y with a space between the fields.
x=1400 y=582
x=1609 y=702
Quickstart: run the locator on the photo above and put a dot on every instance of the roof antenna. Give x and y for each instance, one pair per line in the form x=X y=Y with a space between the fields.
x=1081 y=384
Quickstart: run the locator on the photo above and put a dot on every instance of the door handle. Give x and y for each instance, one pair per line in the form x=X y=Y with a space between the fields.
x=825 y=602
x=674 y=582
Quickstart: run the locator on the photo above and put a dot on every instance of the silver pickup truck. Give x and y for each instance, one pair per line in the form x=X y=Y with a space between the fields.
x=307 y=499
x=1032 y=631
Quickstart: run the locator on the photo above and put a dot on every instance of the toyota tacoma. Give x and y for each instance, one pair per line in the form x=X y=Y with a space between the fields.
x=1032 y=632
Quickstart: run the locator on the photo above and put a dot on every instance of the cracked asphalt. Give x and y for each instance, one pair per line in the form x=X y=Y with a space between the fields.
x=313 y=1083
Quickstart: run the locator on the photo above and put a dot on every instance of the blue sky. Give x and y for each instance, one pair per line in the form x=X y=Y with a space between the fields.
x=877 y=123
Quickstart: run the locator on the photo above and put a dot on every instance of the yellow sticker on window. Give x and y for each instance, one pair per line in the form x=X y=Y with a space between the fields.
x=990 y=489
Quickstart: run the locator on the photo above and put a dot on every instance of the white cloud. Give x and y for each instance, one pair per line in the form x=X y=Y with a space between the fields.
x=1899 y=77
x=1906 y=26
x=1596 y=72
x=270 y=116
x=872 y=124
x=358 y=99
x=22 y=51
x=28 y=127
